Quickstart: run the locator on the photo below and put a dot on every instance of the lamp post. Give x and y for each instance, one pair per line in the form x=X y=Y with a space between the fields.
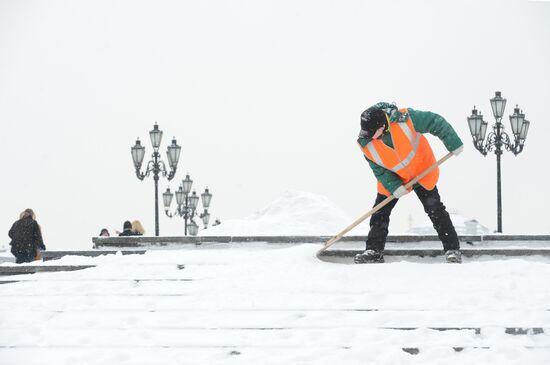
x=187 y=205
x=498 y=139
x=156 y=165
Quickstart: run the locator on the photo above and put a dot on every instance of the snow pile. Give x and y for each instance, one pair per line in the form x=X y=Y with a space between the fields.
x=294 y=213
x=462 y=225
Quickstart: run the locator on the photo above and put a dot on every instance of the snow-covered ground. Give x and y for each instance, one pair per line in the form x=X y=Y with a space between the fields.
x=256 y=303
x=262 y=304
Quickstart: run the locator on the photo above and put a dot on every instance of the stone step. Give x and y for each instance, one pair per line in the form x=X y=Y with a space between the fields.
x=418 y=350
x=410 y=350
x=145 y=241
x=105 y=336
x=54 y=255
x=518 y=322
x=529 y=354
x=423 y=252
x=31 y=269
x=513 y=331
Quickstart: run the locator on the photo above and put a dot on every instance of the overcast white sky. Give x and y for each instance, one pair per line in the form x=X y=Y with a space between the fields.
x=263 y=96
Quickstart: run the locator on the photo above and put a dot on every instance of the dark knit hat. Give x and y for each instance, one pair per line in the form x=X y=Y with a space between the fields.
x=127 y=225
x=371 y=120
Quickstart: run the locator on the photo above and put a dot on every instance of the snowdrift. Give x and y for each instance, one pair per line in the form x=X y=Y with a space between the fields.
x=294 y=213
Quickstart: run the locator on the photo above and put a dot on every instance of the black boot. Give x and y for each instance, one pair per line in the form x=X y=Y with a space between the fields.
x=453 y=257
x=369 y=257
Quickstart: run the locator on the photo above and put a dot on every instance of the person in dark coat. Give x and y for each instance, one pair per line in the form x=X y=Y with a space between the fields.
x=127 y=229
x=26 y=237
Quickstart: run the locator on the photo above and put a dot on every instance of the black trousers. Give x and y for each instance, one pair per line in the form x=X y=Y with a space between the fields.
x=433 y=206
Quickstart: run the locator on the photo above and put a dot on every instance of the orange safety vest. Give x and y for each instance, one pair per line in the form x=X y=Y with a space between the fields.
x=410 y=156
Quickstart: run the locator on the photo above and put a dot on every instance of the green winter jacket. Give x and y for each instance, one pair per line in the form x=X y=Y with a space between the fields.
x=423 y=122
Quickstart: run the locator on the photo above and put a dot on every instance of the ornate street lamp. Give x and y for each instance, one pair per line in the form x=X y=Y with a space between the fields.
x=187 y=205
x=205 y=216
x=156 y=165
x=498 y=139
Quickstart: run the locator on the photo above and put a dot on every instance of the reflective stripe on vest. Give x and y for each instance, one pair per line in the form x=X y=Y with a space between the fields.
x=414 y=139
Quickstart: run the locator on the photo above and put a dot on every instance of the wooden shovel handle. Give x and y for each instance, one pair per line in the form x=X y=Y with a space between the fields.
x=337 y=238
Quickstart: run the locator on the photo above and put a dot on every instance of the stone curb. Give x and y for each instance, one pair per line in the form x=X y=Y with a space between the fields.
x=54 y=255
x=141 y=241
x=31 y=269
